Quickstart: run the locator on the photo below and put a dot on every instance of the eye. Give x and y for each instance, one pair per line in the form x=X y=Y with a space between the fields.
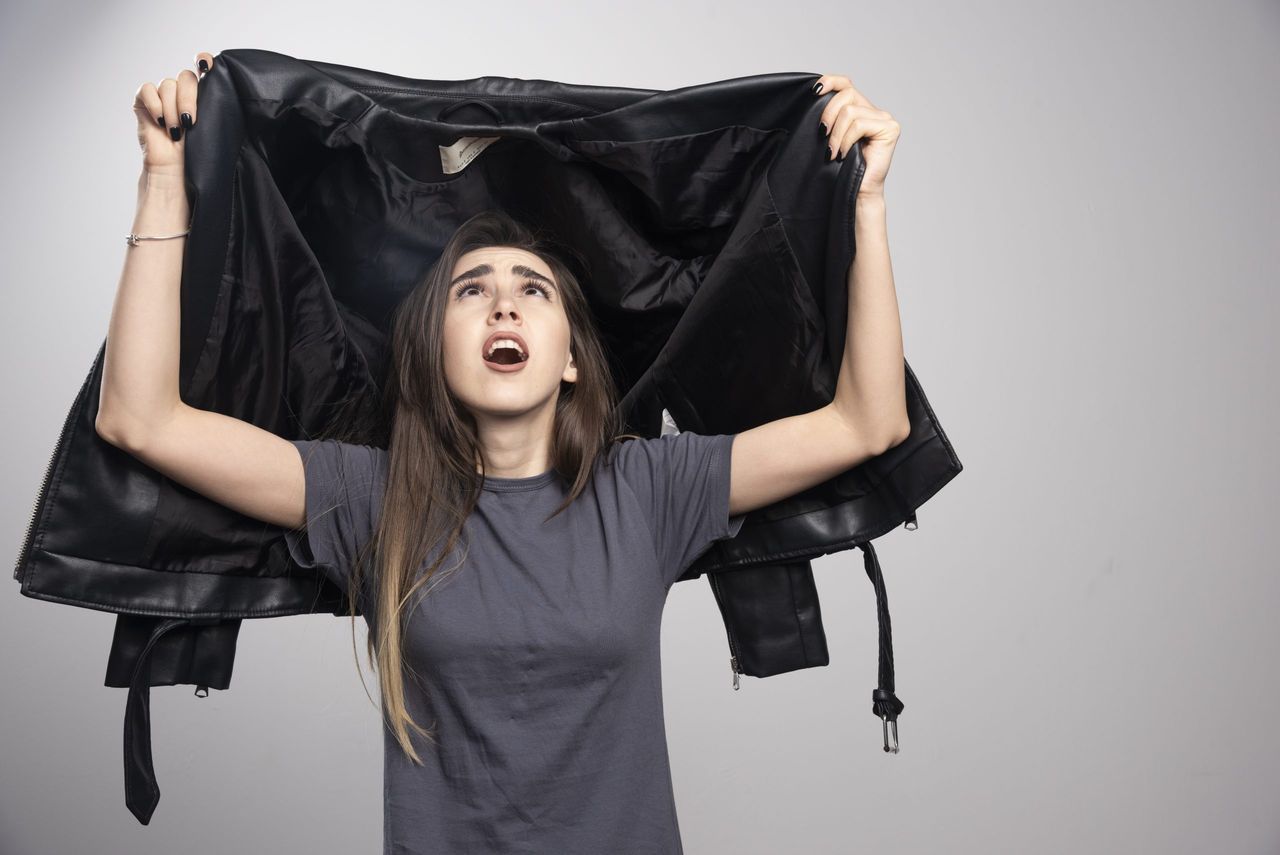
x=538 y=285
x=461 y=290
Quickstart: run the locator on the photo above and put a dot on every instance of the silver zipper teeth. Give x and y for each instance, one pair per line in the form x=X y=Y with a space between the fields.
x=733 y=647
x=36 y=506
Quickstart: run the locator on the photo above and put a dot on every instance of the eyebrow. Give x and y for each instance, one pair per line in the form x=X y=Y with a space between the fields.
x=486 y=269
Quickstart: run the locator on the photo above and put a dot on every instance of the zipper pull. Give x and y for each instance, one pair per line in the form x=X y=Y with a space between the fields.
x=733 y=666
x=911 y=524
x=200 y=689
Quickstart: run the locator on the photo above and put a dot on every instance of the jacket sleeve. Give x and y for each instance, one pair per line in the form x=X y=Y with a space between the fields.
x=682 y=484
x=344 y=485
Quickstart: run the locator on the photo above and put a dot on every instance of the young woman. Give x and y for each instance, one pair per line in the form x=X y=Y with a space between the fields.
x=510 y=550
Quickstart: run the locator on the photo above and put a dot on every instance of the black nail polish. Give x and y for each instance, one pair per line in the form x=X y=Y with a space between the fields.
x=823 y=125
x=817 y=87
x=175 y=134
x=204 y=66
x=160 y=121
x=840 y=157
x=186 y=121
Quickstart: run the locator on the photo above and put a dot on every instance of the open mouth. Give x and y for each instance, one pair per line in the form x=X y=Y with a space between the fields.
x=505 y=351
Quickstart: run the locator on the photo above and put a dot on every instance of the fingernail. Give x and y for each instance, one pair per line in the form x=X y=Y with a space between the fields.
x=160 y=121
x=186 y=121
x=823 y=125
x=840 y=157
x=175 y=133
x=817 y=87
x=204 y=66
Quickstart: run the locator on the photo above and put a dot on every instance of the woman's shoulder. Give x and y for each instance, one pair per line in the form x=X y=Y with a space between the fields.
x=350 y=463
x=633 y=456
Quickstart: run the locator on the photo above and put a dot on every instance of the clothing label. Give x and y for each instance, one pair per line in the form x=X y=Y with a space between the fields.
x=454 y=158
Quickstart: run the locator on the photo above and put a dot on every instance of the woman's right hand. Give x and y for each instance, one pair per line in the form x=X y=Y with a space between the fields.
x=165 y=113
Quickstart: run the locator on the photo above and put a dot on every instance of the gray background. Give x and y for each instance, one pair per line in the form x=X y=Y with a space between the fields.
x=1082 y=212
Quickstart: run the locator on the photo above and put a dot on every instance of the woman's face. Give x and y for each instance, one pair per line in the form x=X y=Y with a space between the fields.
x=501 y=289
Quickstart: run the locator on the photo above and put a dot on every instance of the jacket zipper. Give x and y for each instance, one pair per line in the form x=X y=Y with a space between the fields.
x=734 y=667
x=38 y=505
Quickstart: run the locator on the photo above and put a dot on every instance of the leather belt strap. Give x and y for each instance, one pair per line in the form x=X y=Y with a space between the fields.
x=149 y=650
x=884 y=703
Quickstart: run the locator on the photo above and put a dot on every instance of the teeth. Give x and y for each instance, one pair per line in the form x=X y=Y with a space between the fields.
x=506 y=342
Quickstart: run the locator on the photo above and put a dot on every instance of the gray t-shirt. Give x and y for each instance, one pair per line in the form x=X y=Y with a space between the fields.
x=540 y=653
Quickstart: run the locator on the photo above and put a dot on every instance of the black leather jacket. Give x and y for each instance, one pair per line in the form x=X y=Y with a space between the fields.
x=713 y=241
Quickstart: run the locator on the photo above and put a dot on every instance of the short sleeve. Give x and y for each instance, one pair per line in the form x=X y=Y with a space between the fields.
x=344 y=486
x=682 y=484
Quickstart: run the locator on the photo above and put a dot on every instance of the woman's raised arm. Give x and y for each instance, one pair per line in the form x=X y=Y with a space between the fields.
x=868 y=414
x=140 y=410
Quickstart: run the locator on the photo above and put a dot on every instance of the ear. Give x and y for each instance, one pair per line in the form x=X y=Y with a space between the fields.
x=570 y=374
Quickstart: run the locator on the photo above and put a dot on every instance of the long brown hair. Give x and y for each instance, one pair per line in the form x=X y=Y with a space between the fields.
x=432 y=443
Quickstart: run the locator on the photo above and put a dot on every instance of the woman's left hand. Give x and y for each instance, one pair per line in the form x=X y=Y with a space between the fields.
x=850 y=116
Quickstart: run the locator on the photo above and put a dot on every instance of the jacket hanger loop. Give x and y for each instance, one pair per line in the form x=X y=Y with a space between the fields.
x=488 y=108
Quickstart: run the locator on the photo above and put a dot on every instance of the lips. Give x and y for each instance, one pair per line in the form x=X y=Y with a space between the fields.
x=511 y=334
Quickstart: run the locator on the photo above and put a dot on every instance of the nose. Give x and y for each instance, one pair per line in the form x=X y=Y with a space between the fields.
x=508 y=304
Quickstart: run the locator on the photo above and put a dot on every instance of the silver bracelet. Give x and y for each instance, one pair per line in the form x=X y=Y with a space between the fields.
x=133 y=239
